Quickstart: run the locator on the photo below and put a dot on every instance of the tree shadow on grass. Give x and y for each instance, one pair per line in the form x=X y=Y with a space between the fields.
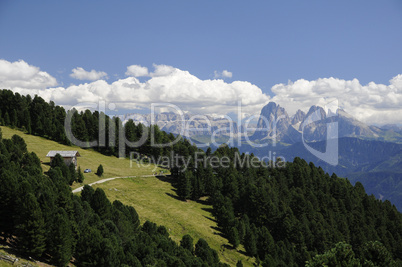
x=165 y=178
x=226 y=246
x=203 y=202
x=174 y=196
x=242 y=252
x=211 y=219
x=218 y=231
x=168 y=179
x=210 y=210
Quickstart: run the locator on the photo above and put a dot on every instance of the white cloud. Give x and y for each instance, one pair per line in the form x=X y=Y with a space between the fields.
x=371 y=103
x=167 y=85
x=137 y=71
x=20 y=74
x=227 y=74
x=93 y=75
x=162 y=70
x=223 y=74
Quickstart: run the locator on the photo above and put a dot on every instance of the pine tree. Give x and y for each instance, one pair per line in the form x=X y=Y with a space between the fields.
x=87 y=193
x=250 y=243
x=101 y=204
x=234 y=237
x=30 y=225
x=265 y=243
x=184 y=187
x=73 y=173
x=187 y=243
x=60 y=239
x=57 y=161
x=99 y=171
x=8 y=194
x=7 y=119
x=14 y=118
x=80 y=175
x=203 y=251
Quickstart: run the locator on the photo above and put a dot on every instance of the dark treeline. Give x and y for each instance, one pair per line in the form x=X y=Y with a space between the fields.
x=37 y=117
x=40 y=215
x=286 y=216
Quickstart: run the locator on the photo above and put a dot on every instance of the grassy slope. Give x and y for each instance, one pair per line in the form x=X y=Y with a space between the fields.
x=153 y=198
x=113 y=167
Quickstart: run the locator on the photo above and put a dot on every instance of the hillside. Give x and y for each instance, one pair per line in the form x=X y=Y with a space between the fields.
x=373 y=163
x=285 y=214
x=114 y=167
x=153 y=198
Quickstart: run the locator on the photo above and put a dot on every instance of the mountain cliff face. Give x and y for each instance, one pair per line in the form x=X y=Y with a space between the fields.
x=274 y=125
x=311 y=127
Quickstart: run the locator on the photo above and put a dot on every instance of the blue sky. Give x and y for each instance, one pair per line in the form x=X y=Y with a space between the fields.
x=264 y=43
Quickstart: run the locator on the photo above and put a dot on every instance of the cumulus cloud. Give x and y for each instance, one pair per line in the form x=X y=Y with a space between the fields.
x=162 y=70
x=371 y=103
x=166 y=84
x=140 y=71
x=20 y=74
x=137 y=71
x=223 y=74
x=93 y=75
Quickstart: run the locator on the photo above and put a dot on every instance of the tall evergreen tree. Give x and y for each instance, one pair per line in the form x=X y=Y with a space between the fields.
x=60 y=239
x=184 y=190
x=234 y=237
x=187 y=243
x=30 y=226
x=80 y=175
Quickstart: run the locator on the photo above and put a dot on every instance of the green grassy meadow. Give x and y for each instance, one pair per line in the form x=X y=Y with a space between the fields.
x=154 y=198
x=113 y=167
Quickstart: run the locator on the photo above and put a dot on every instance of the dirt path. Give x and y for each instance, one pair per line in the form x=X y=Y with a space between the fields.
x=79 y=189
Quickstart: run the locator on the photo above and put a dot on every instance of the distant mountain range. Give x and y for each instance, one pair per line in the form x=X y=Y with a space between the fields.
x=274 y=124
x=188 y=124
x=369 y=154
x=293 y=129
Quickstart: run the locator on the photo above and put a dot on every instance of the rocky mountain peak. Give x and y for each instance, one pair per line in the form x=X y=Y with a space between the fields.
x=298 y=117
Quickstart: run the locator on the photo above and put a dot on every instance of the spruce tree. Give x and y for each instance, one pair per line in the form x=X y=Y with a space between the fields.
x=60 y=239
x=187 y=243
x=99 y=171
x=30 y=225
x=234 y=237
x=184 y=187
x=7 y=119
x=73 y=173
x=80 y=176
x=250 y=243
x=57 y=161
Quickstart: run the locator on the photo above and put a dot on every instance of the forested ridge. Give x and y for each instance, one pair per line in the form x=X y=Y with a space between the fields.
x=41 y=217
x=37 y=117
x=284 y=214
